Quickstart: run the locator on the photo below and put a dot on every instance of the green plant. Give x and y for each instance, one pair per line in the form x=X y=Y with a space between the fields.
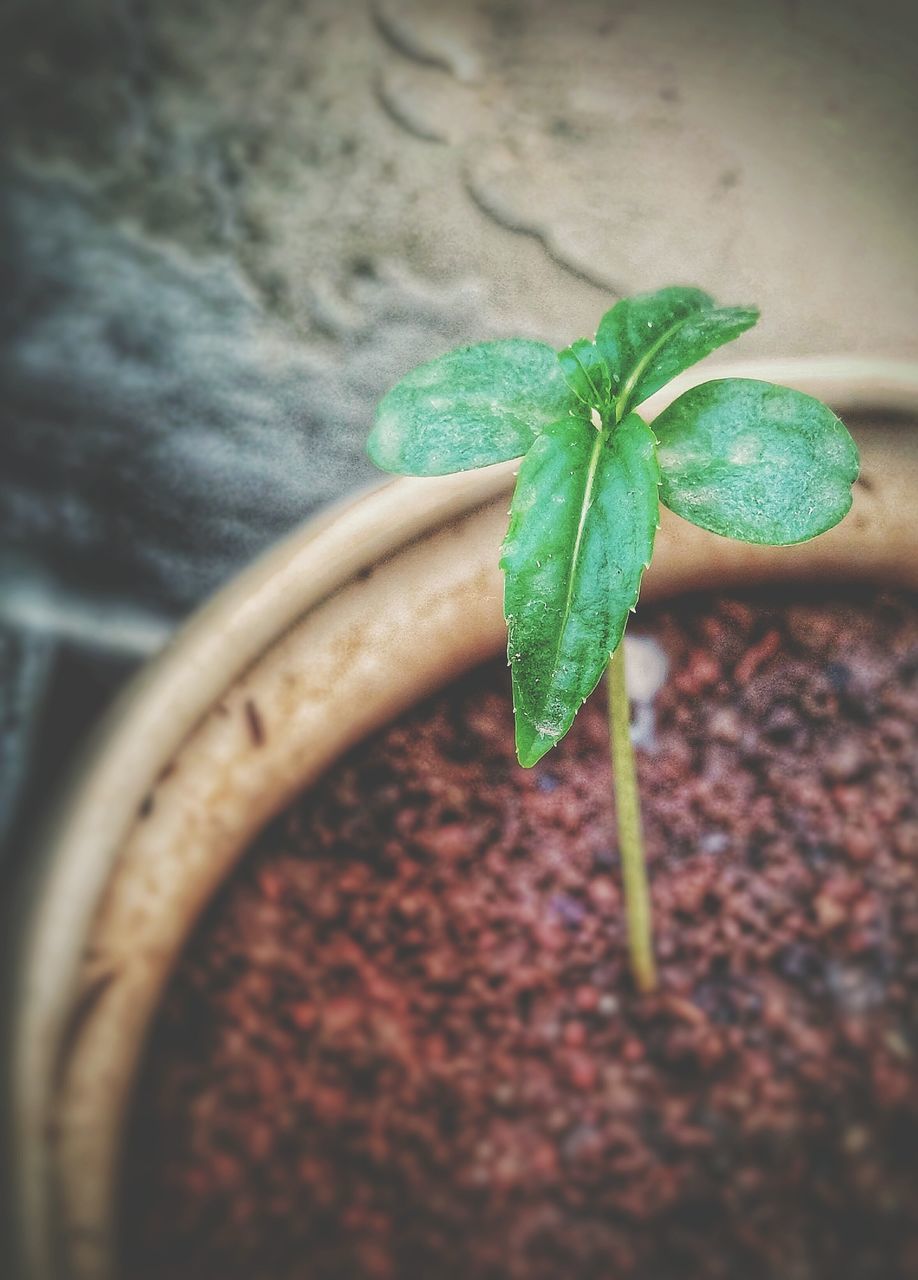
x=739 y=457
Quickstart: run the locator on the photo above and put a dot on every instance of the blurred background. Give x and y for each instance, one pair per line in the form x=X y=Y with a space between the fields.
x=228 y=227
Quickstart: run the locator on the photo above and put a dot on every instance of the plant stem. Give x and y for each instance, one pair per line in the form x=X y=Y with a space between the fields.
x=630 y=838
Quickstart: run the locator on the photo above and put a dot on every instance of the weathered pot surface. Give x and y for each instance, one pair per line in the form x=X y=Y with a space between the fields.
x=337 y=630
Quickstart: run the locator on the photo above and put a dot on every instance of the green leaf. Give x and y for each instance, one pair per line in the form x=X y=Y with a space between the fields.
x=587 y=373
x=471 y=407
x=756 y=462
x=582 y=525
x=647 y=340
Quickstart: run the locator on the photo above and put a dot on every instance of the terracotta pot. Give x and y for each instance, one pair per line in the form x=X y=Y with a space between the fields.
x=341 y=627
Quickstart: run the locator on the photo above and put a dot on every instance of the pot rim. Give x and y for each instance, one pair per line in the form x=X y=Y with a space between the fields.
x=209 y=654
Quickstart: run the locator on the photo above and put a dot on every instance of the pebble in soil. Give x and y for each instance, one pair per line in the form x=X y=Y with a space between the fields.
x=403 y=1042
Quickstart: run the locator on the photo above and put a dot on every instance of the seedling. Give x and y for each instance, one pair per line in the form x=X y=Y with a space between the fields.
x=739 y=457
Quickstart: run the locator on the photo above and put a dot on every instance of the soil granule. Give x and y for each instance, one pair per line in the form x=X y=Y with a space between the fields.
x=403 y=1043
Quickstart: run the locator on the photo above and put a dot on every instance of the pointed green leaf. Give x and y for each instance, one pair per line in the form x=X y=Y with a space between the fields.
x=587 y=373
x=582 y=525
x=755 y=462
x=471 y=407
x=649 y=339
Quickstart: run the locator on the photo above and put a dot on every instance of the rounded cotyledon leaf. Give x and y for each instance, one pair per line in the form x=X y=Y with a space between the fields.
x=581 y=533
x=755 y=462
x=648 y=339
x=469 y=408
